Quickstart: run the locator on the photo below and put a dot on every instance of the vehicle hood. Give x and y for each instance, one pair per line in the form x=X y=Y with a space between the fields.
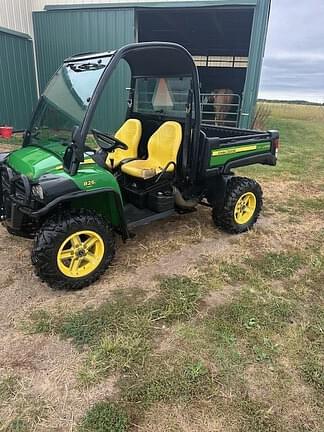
x=35 y=161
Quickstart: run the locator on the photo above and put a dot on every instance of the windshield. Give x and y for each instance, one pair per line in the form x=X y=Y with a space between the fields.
x=65 y=101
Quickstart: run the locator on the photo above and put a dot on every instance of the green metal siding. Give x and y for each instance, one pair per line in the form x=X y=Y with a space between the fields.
x=59 y=34
x=62 y=30
x=18 y=94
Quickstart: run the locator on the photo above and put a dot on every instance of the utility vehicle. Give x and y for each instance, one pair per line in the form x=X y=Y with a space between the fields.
x=75 y=183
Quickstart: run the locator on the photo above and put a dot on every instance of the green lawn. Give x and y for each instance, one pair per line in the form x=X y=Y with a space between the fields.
x=235 y=344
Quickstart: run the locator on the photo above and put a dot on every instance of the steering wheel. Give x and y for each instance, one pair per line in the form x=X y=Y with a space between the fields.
x=108 y=142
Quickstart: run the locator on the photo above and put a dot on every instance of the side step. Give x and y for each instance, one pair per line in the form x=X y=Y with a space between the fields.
x=136 y=217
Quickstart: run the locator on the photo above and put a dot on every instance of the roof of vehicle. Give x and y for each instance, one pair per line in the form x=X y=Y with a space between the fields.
x=148 y=58
x=89 y=55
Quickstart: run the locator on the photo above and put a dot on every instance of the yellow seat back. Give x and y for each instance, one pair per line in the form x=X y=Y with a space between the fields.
x=163 y=147
x=164 y=144
x=130 y=134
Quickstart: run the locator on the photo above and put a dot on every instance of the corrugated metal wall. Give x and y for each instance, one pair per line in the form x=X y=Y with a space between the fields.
x=18 y=93
x=17 y=15
x=59 y=34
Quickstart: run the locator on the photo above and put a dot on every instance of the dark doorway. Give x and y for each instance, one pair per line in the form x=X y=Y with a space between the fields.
x=219 y=40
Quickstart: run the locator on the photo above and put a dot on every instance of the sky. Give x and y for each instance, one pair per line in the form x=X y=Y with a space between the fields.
x=293 y=66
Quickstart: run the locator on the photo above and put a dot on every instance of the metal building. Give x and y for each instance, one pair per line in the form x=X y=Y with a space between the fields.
x=226 y=37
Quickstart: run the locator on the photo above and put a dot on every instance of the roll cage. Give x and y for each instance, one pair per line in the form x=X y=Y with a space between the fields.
x=149 y=59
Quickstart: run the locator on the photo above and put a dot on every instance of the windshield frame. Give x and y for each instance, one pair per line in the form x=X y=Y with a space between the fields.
x=77 y=58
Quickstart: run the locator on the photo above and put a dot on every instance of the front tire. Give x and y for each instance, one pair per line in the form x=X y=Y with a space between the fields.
x=242 y=206
x=73 y=249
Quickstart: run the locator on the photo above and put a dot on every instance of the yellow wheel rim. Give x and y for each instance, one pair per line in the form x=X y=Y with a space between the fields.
x=245 y=208
x=80 y=254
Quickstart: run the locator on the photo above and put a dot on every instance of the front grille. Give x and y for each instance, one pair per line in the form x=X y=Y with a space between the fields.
x=16 y=201
x=5 y=185
x=6 y=202
x=15 y=188
x=20 y=191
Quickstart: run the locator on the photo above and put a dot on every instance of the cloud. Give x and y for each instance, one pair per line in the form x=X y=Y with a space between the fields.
x=308 y=56
x=294 y=60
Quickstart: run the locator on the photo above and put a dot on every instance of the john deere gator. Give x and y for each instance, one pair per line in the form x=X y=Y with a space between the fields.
x=75 y=184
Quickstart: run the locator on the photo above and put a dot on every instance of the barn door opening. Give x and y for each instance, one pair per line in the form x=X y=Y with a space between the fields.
x=218 y=38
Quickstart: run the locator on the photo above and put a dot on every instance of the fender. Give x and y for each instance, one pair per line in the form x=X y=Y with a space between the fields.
x=75 y=197
x=216 y=189
x=264 y=159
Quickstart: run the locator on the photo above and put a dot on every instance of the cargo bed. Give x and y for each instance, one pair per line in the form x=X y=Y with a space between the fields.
x=225 y=148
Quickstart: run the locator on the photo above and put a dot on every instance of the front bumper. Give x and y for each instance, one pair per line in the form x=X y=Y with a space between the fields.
x=15 y=198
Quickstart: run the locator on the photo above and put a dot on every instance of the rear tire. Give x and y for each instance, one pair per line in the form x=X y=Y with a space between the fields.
x=73 y=249
x=242 y=206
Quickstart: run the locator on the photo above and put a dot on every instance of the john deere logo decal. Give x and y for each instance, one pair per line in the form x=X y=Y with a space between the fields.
x=234 y=150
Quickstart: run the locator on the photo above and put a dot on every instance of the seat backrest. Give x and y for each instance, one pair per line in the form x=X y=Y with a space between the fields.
x=130 y=133
x=164 y=144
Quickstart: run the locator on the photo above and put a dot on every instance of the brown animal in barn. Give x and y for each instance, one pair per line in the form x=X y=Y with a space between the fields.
x=222 y=100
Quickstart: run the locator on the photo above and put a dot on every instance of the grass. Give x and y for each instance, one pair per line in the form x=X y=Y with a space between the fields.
x=15 y=140
x=240 y=332
x=301 y=152
x=235 y=345
x=210 y=354
x=8 y=388
x=303 y=113
x=172 y=381
x=210 y=357
x=311 y=364
x=23 y=410
x=104 y=417
x=17 y=425
x=313 y=373
x=276 y=265
x=119 y=334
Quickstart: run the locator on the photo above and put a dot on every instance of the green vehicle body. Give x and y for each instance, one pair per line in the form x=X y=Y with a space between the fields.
x=221 y=157
x=34 y=162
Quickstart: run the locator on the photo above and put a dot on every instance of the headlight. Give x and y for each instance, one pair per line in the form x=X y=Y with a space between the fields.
x=37 y=192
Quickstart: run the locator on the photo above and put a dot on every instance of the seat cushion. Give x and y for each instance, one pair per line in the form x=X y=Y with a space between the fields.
x=144 y=169
x=163 y=147
x=130 y=133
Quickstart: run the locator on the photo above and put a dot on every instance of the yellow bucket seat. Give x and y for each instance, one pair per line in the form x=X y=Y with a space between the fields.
x=163 y=147
x=130 y=134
